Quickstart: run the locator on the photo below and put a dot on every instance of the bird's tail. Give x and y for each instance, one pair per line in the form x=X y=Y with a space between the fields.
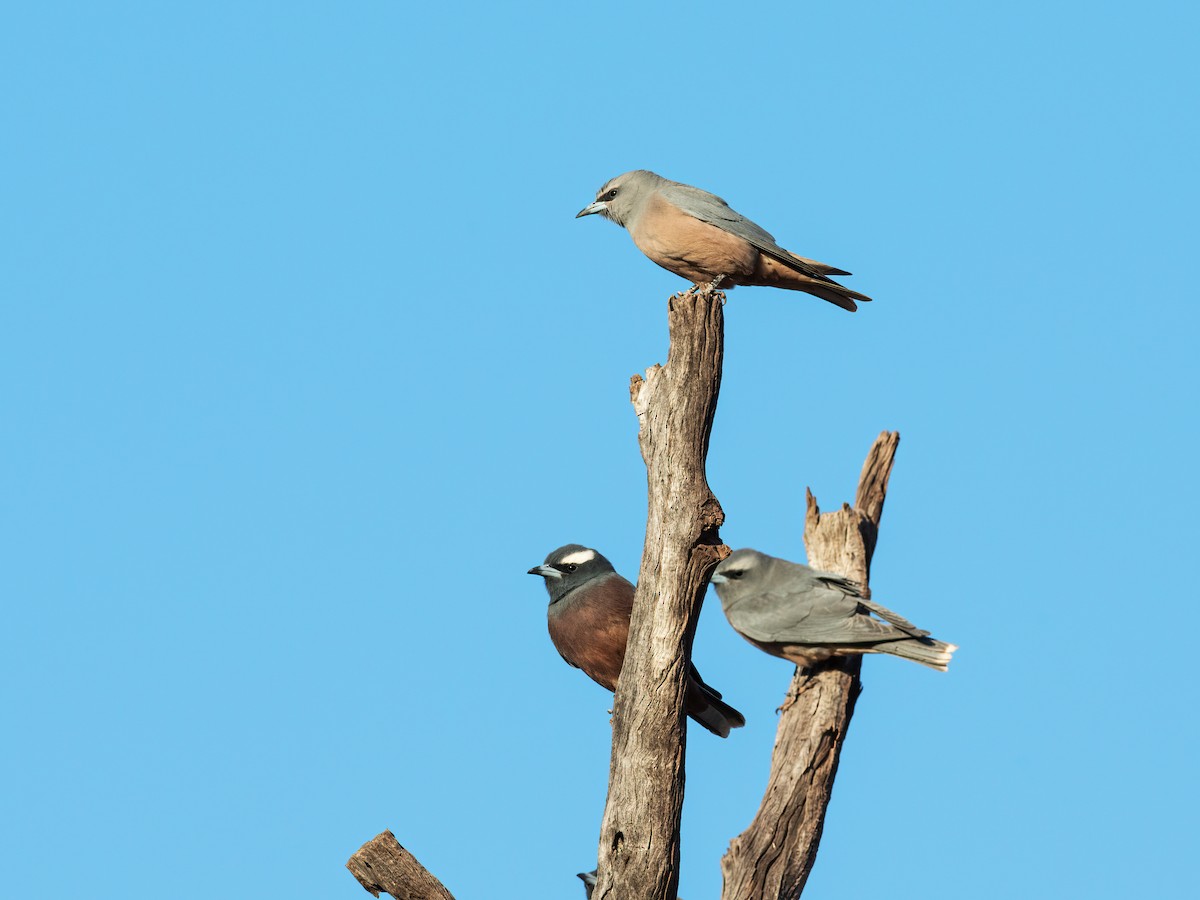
x=823 y=268
x=797 y=274
x=836 y=294
x=926 y=651
x=717 y=716
x=704 y=704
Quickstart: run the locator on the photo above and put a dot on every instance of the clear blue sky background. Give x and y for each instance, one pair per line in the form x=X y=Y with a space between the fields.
x=304 y=362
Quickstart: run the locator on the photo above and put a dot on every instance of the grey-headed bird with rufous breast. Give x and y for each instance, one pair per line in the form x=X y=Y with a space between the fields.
x=697 y=236
x=805 y=616
x=590 y=606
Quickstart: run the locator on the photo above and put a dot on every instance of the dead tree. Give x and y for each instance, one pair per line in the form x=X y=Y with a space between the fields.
x=639 y=834
x=675 y=403
x=773 y=857
x=381 y=864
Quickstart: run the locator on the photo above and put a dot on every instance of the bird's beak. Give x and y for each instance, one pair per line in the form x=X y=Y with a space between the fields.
x=545 y=572
x=591 y=209
x=718 y=578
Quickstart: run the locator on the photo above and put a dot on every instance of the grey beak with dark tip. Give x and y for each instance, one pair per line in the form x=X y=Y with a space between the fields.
x=591 y=209
x=718 y=578
x=545 y=571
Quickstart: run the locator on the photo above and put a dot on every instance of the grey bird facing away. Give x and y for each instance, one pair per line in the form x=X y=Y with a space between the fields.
x=697 y=236
x=590 y=606
x=805 y=616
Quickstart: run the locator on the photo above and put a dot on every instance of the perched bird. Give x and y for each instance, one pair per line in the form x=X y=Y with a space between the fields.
x=696 y=235
x=590 y=605
x=800 y=614
x=589 y=881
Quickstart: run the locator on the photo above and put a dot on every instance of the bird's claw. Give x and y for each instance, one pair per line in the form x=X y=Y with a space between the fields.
x=703 y=290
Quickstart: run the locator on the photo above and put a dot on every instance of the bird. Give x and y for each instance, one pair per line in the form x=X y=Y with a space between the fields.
x=588 y=617
x=589 y=881
x=806 y=616
x=698 y=236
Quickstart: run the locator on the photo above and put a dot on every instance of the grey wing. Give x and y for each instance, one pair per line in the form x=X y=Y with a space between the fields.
x=712 y=209
x=854 y=589
x=821 y=615
x=895 y=618
x=841 y=582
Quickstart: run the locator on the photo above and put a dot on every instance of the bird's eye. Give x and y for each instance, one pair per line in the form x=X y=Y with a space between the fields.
x=610 y=194
x=734 y=573
x=571 y=567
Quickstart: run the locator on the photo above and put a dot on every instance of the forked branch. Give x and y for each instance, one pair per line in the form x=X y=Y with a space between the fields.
x=771 y=860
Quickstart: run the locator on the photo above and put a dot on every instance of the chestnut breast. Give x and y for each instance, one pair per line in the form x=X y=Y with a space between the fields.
x=590 y=627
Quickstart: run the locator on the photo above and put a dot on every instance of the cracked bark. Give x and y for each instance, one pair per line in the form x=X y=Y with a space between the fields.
x=639 y=836
x=381 y=864
x=675 y=403
x=773 y=857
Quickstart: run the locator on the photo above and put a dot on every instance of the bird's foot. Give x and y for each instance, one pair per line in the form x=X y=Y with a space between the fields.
x=702 y=290
x=713 y=287
x=801 y=682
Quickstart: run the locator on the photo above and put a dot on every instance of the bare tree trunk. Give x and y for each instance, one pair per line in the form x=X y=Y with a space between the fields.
x=773 y=857
x=381 y=864
x=639 y=835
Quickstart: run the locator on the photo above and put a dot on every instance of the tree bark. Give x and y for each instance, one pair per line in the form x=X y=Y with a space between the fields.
x=675 y=403
x=381 y=864
x=639 y=835
x=774 y=856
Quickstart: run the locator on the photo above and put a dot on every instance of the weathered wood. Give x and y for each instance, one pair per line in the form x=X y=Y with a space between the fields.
x=771 y=859
x=381 y=864
x=675 y=403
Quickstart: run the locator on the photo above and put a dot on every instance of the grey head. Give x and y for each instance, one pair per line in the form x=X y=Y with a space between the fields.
x=570 y=567
x=623 y=198
x=744 y=573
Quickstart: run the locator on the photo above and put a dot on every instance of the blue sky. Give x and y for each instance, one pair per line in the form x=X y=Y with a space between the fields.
x=304 y=362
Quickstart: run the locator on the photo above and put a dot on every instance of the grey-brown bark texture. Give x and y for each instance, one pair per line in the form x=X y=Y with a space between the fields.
x=381 y=864
x=675 y=403
x=639 y=835
x=773 y=857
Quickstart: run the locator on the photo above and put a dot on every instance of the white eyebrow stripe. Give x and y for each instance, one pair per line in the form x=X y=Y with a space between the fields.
x=578 y=558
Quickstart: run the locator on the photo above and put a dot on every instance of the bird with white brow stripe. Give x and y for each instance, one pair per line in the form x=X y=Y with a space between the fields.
x=590 y=606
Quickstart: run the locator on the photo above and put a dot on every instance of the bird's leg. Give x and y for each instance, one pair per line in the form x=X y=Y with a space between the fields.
x=710 y=288
x=702 y=289
x=793 y=694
